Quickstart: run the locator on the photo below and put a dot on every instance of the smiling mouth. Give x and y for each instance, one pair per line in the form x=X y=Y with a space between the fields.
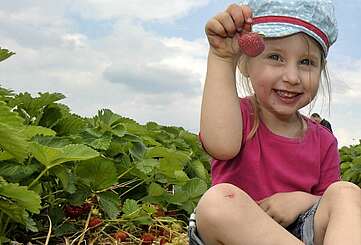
x=287 y=96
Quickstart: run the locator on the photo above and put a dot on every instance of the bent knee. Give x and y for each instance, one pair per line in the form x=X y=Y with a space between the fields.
x=343 y=191
x=220 y=200
x=219 y=193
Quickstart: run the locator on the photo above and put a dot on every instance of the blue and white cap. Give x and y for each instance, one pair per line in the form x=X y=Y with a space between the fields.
x=279 y=18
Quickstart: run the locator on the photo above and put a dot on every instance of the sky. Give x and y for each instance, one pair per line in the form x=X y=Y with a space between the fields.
x=147 y=59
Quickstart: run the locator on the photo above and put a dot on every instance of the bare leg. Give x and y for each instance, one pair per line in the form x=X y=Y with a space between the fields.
x=227 y=215
x=338 y=217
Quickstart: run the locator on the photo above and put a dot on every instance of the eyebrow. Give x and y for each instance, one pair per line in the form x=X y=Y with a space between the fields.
x=276 y=48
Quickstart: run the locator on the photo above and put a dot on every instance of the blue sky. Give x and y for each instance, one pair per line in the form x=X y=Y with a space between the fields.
x=147 y=59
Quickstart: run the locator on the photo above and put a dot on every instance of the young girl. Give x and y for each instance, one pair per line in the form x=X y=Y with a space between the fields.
x=275 y=173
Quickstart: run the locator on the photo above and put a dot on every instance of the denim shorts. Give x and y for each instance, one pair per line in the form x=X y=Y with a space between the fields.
x=302 y=228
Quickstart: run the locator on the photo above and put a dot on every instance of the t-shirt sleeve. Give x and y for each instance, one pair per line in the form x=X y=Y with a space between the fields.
x=330 y=168
x=246 y=110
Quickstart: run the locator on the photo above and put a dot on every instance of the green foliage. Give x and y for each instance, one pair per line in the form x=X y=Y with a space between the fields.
x=4 y=54
x=51 y=158
x=351 y=163
x=16 y=201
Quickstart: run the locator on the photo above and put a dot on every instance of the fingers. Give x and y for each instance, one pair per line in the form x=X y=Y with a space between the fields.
x=226 y=20
x=241 y=15
x=233 y=20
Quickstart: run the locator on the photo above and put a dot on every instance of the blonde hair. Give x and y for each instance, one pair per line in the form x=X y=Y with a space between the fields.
x=244 y=88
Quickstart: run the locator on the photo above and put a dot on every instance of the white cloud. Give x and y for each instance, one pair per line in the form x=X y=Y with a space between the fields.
x=135 y=73
x=345 y=73
x=139 y=9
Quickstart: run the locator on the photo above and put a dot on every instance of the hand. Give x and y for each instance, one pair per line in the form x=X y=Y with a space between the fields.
x=285 y=207
x=223 y=30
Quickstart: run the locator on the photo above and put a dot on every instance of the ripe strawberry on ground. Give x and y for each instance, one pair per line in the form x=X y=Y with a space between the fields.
x=120 y=236
x=251 y=43
x=94 y=221
x=73 y=211
x=163 y=241
x=147 y=238
x=86 y=207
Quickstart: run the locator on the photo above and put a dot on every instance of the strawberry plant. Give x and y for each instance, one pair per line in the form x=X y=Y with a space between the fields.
x=351 y=163
x=67 y=177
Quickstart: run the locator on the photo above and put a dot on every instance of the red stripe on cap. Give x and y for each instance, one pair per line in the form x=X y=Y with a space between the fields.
x=294 y=21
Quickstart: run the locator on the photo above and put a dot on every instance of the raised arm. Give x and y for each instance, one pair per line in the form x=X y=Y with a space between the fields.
x=221 y=119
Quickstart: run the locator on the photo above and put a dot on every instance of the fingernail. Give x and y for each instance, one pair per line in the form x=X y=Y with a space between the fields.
x=249 y=20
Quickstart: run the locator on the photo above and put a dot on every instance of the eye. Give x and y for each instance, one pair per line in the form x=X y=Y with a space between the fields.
x=274 y=57
x=307 y=62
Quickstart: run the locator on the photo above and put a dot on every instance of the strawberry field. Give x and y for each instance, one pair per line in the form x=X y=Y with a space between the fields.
x=67 y=179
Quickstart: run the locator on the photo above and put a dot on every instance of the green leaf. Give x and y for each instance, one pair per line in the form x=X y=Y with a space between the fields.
x=131 y=209
x=178 y=197
x=16 y=172
x=18 y=214
x=156 y=190
x=4 y=54
x=31 y=131
x=79 y=197
x=51 y=157
x=97 y=140
x=11 y=140
x=78 y=152
x=106 y=120
x=171 y=160
x=4 y=155
x=199 y=170
x=45 y=155
x=20 y=195
x=66 y=177
x=143 y=220
x=70 y=124
x=97 y=173
x=148 y=166
x=65 y=229
x=10 y=118
x=137 y=151
x=48 y=116
x=36 y=107
x=195 y=188
x=109 y=202
x=181 y=177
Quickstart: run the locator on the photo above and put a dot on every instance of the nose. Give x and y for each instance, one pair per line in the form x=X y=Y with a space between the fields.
x=291 y=74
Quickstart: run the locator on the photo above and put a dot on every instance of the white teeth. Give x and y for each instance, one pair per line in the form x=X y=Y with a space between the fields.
x=286 y=94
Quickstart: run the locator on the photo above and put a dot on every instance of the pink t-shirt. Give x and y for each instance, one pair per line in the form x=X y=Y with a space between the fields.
x=269 y=163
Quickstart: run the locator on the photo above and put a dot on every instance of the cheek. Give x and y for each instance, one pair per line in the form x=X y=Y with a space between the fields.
x=312 y=83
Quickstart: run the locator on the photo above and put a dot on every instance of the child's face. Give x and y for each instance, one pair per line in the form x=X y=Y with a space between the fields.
x=285 y=77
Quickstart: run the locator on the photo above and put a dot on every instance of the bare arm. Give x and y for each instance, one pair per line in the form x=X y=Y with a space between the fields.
x=221 y=119
x=287 y=206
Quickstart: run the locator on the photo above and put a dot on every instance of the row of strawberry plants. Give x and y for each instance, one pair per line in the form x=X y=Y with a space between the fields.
x=351 y=163
x=61 y=173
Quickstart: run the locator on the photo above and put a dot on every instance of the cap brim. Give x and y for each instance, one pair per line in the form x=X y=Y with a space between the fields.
x=274 y=30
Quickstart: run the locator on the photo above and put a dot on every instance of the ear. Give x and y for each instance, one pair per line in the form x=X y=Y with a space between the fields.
x=242 y=65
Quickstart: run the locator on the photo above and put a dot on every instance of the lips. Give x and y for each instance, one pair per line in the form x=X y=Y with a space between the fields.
x=287 y=96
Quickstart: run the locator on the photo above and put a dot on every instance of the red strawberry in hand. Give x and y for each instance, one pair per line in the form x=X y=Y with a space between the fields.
x=251 y=44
